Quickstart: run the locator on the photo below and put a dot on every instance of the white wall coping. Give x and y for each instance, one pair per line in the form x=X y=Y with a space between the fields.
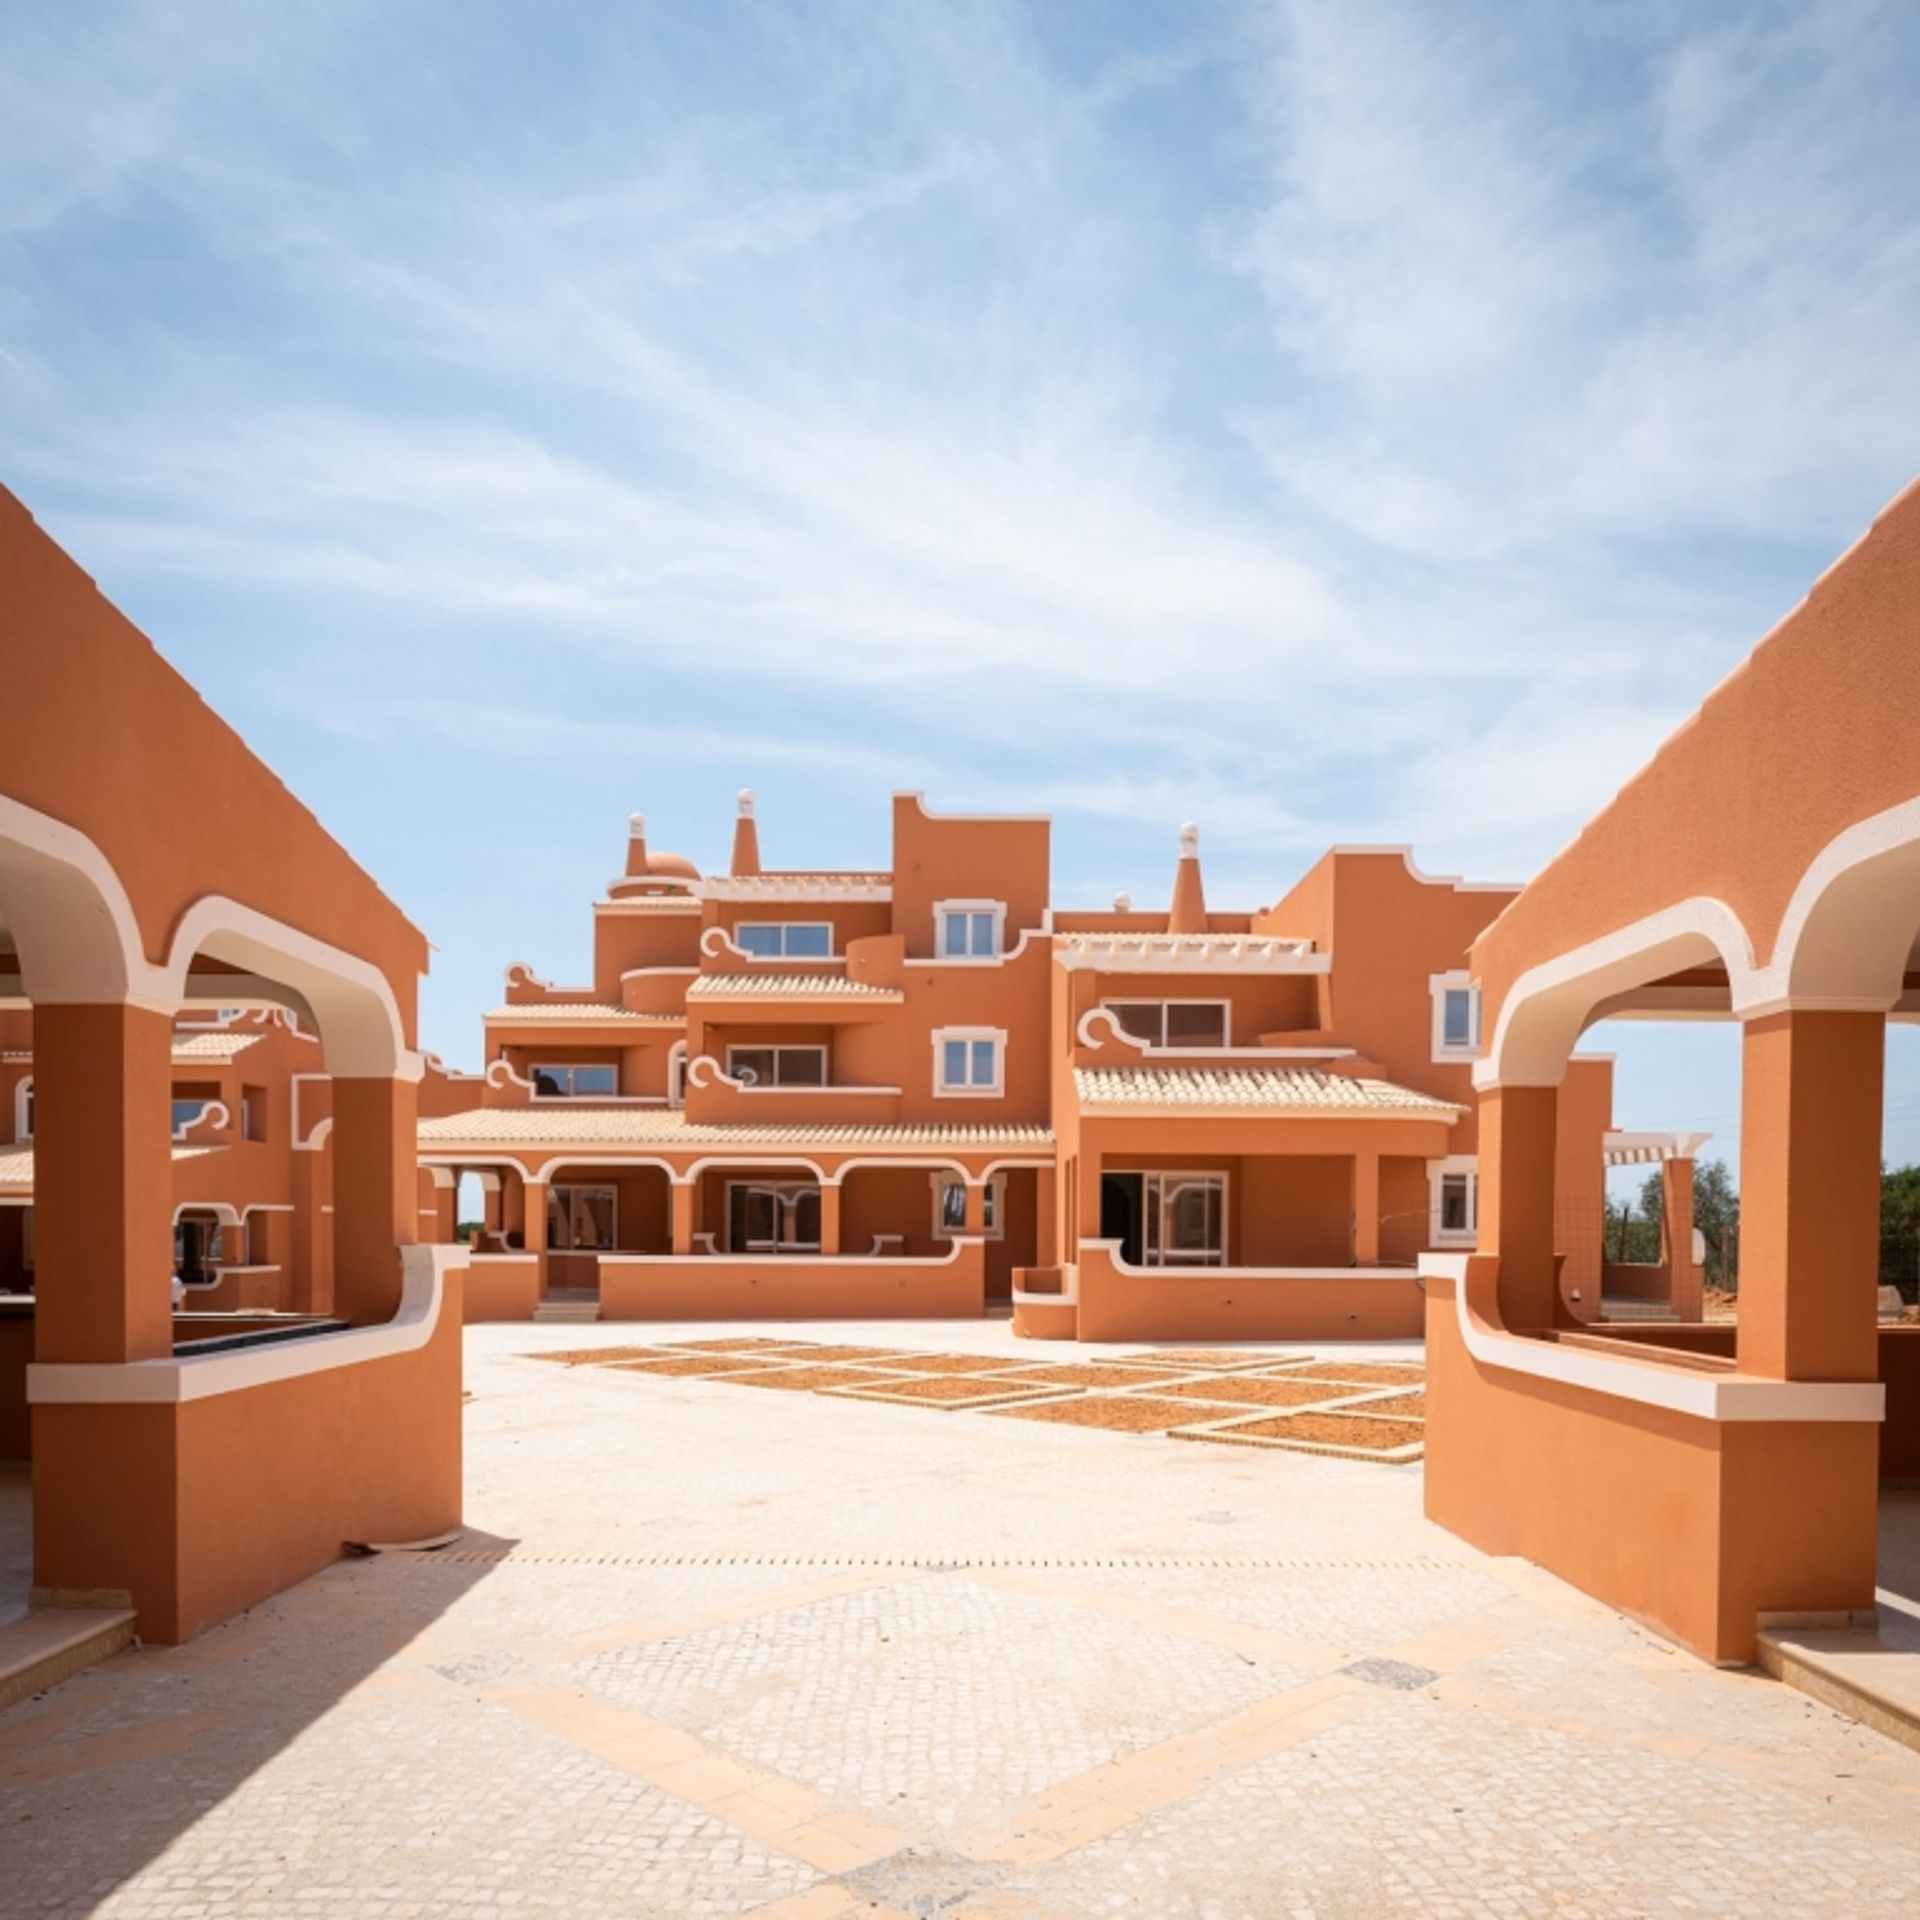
x=1111 y=1248
x=1717 y=1397
x=173 y=1381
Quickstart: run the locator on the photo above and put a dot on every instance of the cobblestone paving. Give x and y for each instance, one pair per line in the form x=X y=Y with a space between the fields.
x=802 y=1658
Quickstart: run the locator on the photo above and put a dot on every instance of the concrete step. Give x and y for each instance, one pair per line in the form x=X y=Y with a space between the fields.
x=1869 y=1672
x=573 y=1295
x=570 y=1313
x=49 y=1643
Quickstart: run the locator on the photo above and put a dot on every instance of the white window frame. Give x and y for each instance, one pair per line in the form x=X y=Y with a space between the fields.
x=942 y=1035
x=23 y=1110
x=996 y=908
x=570 y=1067
x=1455 y=1165
x=786 y=927
x=1440 y=985
x=776 y=1048
x=1161 y=1175
x=1163 y=1045
x=996 y=1213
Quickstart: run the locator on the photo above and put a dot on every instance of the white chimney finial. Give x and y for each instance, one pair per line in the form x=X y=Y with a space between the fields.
x=636 y=826
x=746 y=803
x=1123 y=903
x=1189 y=841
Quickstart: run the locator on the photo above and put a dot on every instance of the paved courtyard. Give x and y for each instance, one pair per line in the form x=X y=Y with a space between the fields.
x=708 y=1651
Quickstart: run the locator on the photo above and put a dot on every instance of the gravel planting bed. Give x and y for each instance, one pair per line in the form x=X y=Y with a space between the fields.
x=1111 y=1412
x=1092 y=1374
x=598 y=1356
x=1337 y=1430
x=1367 y=1373
x=1208 y=1358
x=1260 y=1391
x=803 y=1379
x=945 y=1390
x=683 y=1365
x=1400 y=1406
x=833 y=1356
x=952 y=1363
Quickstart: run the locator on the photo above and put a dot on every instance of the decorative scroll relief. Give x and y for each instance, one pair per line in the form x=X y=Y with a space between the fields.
x=716 y=940
x=500 y=1073
x=1115 y=1032
x=215 y=1116
x=703 y=1070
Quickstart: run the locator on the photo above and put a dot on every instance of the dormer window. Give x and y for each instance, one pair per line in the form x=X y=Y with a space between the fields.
x=970 y=929
x=1456 y=1017
x=785 y=939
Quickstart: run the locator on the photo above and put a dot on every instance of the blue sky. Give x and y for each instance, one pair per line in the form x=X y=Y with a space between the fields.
x=1334 y=421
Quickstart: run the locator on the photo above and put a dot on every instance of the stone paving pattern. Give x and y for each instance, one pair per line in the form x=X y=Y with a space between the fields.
x=959 y=1668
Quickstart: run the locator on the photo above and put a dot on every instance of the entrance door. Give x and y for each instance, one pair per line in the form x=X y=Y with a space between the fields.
x=1121 y=1211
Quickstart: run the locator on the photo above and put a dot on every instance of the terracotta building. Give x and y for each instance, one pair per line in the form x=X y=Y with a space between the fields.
x=922 y=1090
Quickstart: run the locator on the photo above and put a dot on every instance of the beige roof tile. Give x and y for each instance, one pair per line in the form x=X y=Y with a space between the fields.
x=789 y=986
x=16 y=1165
x=1250 y=1090
x=213 y=1046
x=1186 y=953
x=664 y=1127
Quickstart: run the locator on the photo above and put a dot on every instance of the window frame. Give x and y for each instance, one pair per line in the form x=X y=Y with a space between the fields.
x=777 y=1048
x=995 y=1227
x=970 y=1036
x=569 y=1068
x=995 y=910
x=1157 y=1178
x=785 y=927
x=777 y=1248
x=1454 y=1166
x=573 y=1188
x=1163 y=1044
x=1445 y=1051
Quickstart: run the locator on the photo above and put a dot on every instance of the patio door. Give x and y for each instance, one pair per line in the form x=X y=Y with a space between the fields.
x=773 y=1216
x=1123 y=1213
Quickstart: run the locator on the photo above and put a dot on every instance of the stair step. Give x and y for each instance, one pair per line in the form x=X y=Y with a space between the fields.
x=567 y=1312
x=49 y=1643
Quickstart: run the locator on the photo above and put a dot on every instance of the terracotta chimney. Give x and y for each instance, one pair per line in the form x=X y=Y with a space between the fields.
x=636 y=845
x=746 y=837
x=1189 y=913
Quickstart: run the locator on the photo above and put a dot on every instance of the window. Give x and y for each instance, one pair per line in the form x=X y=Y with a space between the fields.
x=185 y=1113
x=1173 y=1023
x=576 y=1083
x=1456 y=1200
x=950 y=1206
x=773 y=1216
x=785 y=939
x=969 y=929
x=778 y=1066
x=1172 y=1219
x=581 y=1219
x=1456 y=1017
x=968 y=1060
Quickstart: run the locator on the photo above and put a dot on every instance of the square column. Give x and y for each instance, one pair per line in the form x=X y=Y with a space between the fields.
x=976 y=1221
x=376 y=1212
x=1810 y=1122
x=1366 y=1209
x=829 y=1216
x=1685 y=1283
x=533 y=1205
x=682 y=1195
x=1516 y=1154
x=103 y=1183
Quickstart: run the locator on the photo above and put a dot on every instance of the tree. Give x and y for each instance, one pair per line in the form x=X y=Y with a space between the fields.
x=1716 y=1212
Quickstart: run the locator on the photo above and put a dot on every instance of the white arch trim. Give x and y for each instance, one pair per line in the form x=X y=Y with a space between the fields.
x=222 y=1210
x=1847 y=931
x=1547 y=1008
x=72 y=922
x=361 y=1032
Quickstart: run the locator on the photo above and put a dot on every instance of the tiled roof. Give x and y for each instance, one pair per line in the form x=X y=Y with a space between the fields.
x=213 y=1046
x=822 y=886
x=1249 y=1090
x=789 y=986
x=16 y=1165
x=1186 y=953
x=665 y=1127
x=585 y=1012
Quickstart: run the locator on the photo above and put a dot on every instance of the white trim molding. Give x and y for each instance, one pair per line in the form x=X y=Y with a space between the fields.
x=996 y=910
x=1455 y=1164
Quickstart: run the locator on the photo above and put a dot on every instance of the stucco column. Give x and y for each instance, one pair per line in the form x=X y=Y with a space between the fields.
x=976 y=1191
x=1516 y=1156
x=1684 y=1280
x=829 y=1216
x=375 y=1210
x=1810 y=1116
x=102 y=1183
x=683 y=1195
x=1366 y=1209
x=533 y=1202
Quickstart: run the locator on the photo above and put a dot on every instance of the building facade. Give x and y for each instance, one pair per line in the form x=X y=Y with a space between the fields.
x=924 y=1091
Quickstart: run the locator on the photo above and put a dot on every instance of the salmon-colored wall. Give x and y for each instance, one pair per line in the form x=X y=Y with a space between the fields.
x=793 y=1288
